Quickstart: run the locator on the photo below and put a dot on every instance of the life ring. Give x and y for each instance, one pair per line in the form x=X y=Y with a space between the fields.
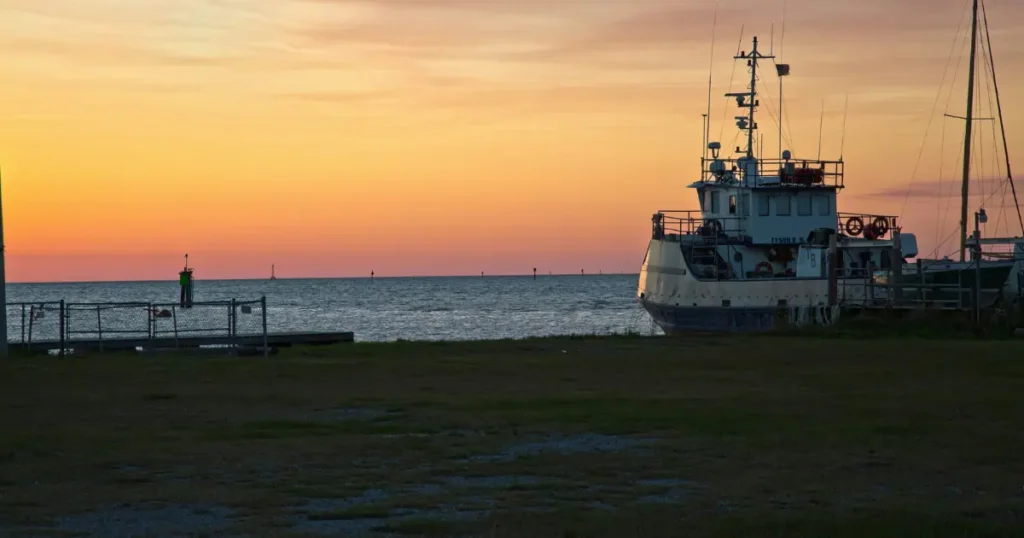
x=854 y=226
x=764 y=267
x=880 y=226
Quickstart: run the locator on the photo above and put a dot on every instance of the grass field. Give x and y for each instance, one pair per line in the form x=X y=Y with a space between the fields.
x=601 y=437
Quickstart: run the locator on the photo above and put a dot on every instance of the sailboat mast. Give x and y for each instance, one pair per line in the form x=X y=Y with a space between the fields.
x=967 y=134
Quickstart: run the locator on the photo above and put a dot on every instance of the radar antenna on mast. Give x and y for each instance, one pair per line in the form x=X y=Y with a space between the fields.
x=749 y=101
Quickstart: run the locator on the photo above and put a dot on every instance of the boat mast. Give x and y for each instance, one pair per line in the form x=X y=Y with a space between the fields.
x=753 y=100
x=748 y=100
x=967 y=135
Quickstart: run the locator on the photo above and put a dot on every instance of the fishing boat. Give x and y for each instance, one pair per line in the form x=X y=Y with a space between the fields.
x=768 y=242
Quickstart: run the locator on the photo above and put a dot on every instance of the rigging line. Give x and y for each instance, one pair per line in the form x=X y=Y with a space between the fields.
x=949 y=99
x=732 y=77
x=998 y=171
x=942 y=185
x=773 y=114
x=987 y=55
x=931 y=117
x=787 y=132
x=957 y=231
x=999 y=107
x=950 y=197
x=956 y=70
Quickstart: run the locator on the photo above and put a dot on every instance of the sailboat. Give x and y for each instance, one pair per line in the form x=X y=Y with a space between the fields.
x=996 y=270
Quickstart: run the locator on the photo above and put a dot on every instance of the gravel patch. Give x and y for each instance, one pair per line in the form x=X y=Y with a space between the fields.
x=176 y=520
x=492 y=482
x=557 y=444
x=316 y=517
x=679 y=490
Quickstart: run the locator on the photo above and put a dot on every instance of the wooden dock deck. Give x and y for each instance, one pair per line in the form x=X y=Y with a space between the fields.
x=273 y=340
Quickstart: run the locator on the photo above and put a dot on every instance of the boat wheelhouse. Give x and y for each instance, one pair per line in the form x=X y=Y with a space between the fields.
x=760 y=238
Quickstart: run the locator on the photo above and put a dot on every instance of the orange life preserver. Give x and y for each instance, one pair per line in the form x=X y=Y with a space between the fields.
x=854 y=226
x=764 y=267
x=880 y=226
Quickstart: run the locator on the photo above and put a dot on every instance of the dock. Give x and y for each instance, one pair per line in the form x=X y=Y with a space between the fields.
x=237 y=326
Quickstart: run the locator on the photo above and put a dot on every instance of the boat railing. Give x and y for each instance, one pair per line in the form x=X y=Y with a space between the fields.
x=777 y=172
x=674 y=223
x=879 y=289
x=866 y=225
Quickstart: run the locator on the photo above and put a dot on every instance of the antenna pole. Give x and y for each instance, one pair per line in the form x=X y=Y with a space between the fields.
x=782 y=56
x=821 y=127
x=842 y=143
x=704 y=144
x=782 y=39
x=780 y=118
x=999 y=108
x=964 y=190
x=711 y=65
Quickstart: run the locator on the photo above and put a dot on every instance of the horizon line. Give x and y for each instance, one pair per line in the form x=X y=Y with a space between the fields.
x=367 y=277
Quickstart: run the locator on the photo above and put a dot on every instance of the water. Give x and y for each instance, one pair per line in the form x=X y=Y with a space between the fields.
x=387 y=309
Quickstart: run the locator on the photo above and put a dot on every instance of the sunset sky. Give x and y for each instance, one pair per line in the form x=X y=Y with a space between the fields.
x=415 y=137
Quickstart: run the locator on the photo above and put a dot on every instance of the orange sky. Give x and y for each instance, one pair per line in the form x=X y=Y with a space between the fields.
x=335 y=137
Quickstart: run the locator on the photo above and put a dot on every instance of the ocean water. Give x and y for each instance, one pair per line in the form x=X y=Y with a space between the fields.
x=384 y=309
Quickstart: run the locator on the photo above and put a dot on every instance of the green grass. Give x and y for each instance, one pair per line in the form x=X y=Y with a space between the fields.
x=711 y=436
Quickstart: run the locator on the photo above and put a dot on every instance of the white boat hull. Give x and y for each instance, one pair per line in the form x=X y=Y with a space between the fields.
x=679 y=302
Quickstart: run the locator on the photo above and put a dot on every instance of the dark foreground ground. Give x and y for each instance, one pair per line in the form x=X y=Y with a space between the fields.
x=609 y=437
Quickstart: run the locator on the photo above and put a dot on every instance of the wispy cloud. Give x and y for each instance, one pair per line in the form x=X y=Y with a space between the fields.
x=993 y=188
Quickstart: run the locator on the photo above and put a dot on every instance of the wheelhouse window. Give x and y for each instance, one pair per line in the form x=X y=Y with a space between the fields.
x=782 y=206
x=803 y=206
x=762 y=205
x=745 y=204
x=823 y=205
x=732 y=204
x=714 y=201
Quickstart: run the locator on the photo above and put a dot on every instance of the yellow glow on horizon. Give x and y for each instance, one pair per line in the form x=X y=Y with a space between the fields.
x=347 y=136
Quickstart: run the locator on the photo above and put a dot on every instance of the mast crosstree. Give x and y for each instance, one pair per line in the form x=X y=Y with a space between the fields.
x=749 y=99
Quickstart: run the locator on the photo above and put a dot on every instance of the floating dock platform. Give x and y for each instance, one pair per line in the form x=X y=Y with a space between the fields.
x=273 y=340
